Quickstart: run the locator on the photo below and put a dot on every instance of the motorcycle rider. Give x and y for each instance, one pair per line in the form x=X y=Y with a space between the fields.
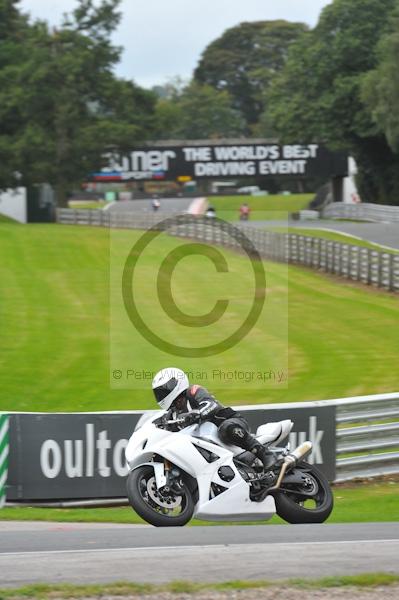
x=188 y=404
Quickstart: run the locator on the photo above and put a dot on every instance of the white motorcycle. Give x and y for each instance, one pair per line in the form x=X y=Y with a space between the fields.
x=177 y=475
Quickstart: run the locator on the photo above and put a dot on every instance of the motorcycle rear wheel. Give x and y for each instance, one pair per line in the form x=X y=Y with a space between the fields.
x=155 y=508
x=294 y=508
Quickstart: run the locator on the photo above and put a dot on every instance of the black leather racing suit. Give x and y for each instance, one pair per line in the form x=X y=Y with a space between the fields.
x=232 y=427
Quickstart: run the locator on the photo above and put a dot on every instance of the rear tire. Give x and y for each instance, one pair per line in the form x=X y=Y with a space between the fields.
x=289 y=503
x=139 y=482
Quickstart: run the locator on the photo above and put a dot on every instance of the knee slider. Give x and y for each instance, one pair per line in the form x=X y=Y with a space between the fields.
x=234 y=431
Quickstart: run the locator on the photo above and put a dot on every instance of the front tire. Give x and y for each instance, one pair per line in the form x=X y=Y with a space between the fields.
x=153 y=506
x=292 y=502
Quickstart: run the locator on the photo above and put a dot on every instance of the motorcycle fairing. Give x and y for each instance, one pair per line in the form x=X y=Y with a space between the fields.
x=180 y=448
x=274 y=432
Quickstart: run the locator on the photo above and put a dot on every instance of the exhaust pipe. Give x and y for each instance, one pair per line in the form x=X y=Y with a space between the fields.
x=291 y=460
x=303 y=450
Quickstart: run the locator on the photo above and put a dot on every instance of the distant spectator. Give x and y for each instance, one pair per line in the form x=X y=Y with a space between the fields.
x=210 y=212
x=244 y=212
x=155 y=204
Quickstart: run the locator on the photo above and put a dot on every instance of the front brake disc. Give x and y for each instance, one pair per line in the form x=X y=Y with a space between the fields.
x=160 y=499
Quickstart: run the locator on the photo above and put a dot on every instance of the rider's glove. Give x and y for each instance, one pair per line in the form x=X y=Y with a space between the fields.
x=190 y=418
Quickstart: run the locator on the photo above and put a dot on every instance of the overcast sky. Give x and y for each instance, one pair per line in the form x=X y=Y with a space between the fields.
x=162 y=40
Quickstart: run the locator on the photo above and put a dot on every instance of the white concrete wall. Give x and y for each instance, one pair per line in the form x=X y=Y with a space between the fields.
x=350 y=192
x=13 y=204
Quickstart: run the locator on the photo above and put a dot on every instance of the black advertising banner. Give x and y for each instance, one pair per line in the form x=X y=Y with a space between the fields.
x=68 y=456
x=72 y=456
x=228 y=160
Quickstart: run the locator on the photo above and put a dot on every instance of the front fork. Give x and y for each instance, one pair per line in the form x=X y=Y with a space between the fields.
x=166 y=475
x=160 y=474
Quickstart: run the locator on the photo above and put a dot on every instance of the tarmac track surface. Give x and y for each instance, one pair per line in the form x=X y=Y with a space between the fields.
x=101 y=553
x=385 y=234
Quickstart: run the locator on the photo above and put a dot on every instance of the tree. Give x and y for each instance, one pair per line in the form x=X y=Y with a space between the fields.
x=198 y=112
x=208 y=113
x=168 y=116
x=83 y=111
x=244 y=61
x=12 y=21
x=71 y=108
x=167 y=110
x=13 y=52
x=380 y=89
x=318 y=95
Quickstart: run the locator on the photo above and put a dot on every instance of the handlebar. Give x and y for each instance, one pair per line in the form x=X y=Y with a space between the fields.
x=180 y=421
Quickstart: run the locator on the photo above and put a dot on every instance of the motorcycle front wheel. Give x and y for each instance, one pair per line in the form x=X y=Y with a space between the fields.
x=309 y=502
x=158 y=508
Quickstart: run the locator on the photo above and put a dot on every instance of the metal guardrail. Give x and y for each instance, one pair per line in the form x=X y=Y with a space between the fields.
x=367 y=435
x=355 y=263
x=108 y=218
x=362 y=212
x=371 y=449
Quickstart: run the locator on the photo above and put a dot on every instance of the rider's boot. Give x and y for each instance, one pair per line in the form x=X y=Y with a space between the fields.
x=266 y=457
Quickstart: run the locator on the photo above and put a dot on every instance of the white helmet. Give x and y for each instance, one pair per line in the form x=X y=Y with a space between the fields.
x=168 y=384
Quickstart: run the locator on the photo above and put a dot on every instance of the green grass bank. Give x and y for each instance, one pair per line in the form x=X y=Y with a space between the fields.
x=55 y=325
x=275 y=206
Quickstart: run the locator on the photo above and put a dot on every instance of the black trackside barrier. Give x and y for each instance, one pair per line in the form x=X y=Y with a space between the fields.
x=81 y=455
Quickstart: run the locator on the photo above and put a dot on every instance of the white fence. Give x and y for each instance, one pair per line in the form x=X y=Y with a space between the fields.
x=13 y=204
x=362 y=212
